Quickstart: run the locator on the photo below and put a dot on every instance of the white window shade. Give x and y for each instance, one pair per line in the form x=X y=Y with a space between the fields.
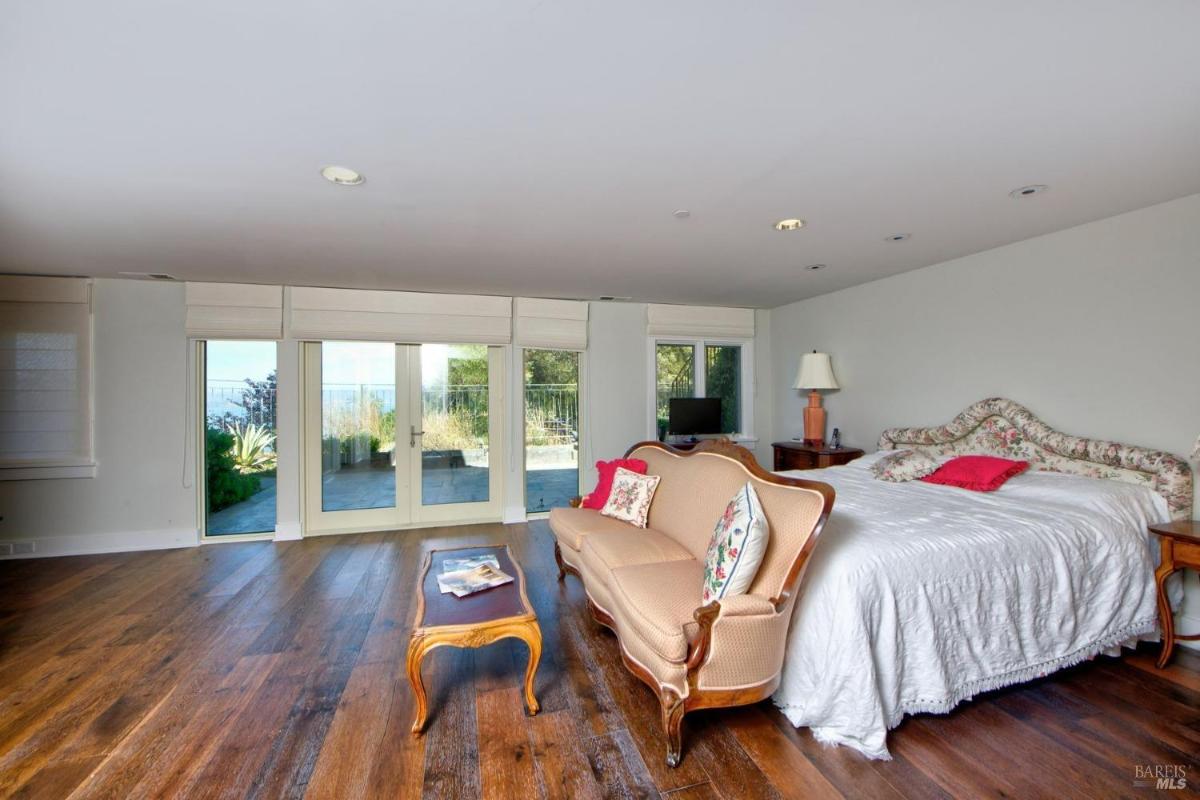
x=234 y=311
x=405 y=317
x=45 y=376
x=714 y=322
x=551 y=324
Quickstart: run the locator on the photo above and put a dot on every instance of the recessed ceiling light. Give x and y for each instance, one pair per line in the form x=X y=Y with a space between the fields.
x=342 y=176
x=789 y=225
x=815 y=267
x=897 y=237
x=1028 y=191
x=682 y=213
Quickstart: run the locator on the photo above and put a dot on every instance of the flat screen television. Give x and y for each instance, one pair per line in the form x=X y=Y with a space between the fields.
x=688 y=416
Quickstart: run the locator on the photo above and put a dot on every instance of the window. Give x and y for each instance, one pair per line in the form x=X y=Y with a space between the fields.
x=700 y=368
x=239 y=437
x=551 y=428
x=45 y=378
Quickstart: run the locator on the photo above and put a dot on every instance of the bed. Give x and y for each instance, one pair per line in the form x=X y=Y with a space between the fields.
x=920 y=596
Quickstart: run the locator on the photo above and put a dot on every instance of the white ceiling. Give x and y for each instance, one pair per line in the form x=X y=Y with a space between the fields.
x=540 y=148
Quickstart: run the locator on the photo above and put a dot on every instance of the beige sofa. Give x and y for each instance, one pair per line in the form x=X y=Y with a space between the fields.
x=646 y=584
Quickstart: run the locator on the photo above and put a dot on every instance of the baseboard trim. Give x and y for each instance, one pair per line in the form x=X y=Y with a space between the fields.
x=95 y=543
x=288 y=532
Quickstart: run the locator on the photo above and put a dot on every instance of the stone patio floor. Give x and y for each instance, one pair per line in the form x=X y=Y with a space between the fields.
x=376 y=488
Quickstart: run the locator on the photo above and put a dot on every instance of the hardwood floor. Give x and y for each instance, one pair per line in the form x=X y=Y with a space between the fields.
x=269 y=670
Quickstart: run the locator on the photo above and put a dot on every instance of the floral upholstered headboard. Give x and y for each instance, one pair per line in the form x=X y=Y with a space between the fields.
x=1001 y=427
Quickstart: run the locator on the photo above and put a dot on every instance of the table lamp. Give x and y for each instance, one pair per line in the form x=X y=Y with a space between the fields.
x=816 y=372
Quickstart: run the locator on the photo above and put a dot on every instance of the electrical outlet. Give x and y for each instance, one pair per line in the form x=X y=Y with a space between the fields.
x=23 y=548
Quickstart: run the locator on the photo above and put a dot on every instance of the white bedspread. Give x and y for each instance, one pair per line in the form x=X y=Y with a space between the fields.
x=920 y=596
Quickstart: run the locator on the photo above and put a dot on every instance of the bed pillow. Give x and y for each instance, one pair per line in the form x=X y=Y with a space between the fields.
x=904 y=465
x=607 y=469
x=736 y=549
x=631 y=496
x=977 y=473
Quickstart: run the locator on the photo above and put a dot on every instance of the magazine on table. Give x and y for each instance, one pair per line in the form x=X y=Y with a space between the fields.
x=459 y=564
x=469 y=581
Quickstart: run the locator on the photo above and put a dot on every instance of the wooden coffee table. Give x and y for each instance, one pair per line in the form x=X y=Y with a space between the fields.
x=472 y=621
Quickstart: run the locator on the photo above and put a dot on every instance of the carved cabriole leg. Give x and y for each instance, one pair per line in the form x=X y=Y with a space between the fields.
x=533 y=638
x=558 y=559
x=672 y=720
x=416 y=652
x=1165 y=617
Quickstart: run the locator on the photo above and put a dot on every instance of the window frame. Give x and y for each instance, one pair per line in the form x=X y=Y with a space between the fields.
x=699 y=375
x=199 y=352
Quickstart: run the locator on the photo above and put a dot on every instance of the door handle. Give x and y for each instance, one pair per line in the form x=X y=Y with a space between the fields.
x=413 y=433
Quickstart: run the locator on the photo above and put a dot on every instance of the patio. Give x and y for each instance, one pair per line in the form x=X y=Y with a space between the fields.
x=376 y=488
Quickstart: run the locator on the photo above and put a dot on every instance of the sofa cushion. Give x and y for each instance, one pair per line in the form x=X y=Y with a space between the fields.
x=570 y=525
x=656 y=603
x=631 y=497
x=605 y=471
x=629 y=547
x=739 y=541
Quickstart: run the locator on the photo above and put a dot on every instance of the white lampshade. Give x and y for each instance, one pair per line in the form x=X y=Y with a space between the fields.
x=816 y=372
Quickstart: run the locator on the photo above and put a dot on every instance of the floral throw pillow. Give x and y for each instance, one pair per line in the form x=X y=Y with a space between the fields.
x=631 y=496
x=904 y=465
x=736 y=549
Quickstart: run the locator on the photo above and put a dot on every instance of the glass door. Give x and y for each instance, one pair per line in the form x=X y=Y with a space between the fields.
x=397 y=435
x=455 y=449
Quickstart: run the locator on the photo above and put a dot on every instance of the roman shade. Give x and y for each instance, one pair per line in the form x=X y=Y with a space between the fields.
x=700 y=321
x=234 y=311
x=45 y=376
x=551 y=324
x=406 y=317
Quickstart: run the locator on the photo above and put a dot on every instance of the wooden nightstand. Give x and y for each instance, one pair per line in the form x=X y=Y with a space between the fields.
x=1180 y=543
x=798 y=455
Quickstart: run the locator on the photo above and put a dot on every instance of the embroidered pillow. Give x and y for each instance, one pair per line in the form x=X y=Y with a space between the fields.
x=607 y=469
x=631 y=497
x=904 y=465
x=736 y=549
x=977 y=473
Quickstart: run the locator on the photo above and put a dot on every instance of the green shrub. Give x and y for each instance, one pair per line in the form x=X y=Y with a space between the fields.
x=226 y=485
x=253 y=447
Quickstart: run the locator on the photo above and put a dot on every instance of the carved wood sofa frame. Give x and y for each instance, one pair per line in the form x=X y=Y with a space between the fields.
x=672 y=706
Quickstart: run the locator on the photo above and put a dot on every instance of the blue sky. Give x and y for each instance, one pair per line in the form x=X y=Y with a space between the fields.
x=341 y=362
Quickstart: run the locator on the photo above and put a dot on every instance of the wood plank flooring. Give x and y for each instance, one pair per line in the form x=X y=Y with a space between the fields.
x=269 y=670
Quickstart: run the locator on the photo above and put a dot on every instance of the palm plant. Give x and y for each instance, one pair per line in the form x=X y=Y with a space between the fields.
x=253 y=447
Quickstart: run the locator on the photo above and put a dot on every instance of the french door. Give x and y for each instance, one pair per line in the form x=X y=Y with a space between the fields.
x=401 y=435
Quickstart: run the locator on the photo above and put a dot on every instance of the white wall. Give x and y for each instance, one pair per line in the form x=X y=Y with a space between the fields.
x=615 y=405
x=138 y=498
x=1096 y=329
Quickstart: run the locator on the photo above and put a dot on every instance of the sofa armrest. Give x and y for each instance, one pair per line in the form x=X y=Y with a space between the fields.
x=746 y=605
x=742 y=605
x=741 y=641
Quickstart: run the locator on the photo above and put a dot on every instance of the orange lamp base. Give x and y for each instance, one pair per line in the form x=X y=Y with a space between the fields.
x=814 y=421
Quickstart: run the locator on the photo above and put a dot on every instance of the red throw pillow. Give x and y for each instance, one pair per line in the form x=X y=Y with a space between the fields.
x=977 y=473
x=607 y=470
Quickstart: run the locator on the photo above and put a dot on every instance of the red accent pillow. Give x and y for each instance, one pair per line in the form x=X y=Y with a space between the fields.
x=608 y=470
x=977 y=473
